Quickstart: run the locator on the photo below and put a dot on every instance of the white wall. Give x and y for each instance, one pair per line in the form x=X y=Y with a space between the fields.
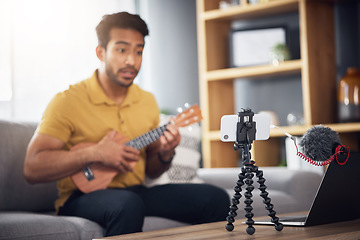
x=48 y=45
x=170 y=69
x=52 y=45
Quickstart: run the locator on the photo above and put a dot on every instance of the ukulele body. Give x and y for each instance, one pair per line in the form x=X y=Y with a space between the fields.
x=98 y=176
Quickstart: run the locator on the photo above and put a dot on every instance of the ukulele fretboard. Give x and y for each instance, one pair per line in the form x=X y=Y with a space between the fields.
x=147 y=138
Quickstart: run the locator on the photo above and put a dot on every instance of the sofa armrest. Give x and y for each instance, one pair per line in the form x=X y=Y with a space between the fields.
x=221 y=177
x=297 y=183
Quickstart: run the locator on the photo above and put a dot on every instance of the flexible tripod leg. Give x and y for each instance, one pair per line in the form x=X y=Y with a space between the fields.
x=267 y=201
x=248 y=201
x=235 y=201
x=245 y=177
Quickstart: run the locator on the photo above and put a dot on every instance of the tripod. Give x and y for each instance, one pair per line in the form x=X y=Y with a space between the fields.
x=246 y=130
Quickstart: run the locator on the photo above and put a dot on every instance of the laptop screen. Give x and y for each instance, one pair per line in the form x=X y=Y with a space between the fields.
x=338 y=195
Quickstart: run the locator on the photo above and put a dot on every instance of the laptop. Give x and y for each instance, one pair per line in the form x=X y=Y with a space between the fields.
x=337 y=198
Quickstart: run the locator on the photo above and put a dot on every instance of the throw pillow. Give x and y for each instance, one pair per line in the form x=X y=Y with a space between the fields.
x=186 y=160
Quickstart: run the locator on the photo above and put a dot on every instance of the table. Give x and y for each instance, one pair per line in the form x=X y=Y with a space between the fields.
x=345 y=230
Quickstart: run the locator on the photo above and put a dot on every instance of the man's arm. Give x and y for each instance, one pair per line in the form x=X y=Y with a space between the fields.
x=47 y=160
x=160 y=153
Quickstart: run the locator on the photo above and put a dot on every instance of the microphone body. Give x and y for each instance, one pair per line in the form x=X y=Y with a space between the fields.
x=319 y=143
x=320 y=146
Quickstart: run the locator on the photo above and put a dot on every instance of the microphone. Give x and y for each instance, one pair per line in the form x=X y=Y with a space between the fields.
x=321 y=145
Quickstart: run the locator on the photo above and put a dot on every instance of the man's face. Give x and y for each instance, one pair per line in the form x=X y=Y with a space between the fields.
x=123 y=55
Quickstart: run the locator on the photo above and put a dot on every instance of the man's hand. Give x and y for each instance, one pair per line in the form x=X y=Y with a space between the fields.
x=162 y=151
x=169 y=141
x=113 y=152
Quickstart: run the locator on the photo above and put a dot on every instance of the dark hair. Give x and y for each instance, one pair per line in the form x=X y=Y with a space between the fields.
x=119 y=20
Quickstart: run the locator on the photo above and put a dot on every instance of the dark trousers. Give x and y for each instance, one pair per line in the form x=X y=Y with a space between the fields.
x=122 y=210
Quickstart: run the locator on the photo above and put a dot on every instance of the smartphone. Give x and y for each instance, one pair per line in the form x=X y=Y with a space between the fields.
x=229 y=127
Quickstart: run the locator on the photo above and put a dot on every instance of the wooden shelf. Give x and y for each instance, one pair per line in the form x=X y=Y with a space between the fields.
x=300 y=130
x=344 y=127
x=248 y=11
x=297 y=130
x=317 y=68
x=287 y=67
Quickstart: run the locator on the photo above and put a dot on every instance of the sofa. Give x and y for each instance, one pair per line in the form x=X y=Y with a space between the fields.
x=27 y=211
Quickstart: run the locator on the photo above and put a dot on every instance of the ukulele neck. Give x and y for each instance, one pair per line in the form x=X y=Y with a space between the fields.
x=147 y=138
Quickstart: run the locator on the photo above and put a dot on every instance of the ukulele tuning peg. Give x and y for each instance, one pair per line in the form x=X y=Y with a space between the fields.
x=181 y=109
x=187 y=105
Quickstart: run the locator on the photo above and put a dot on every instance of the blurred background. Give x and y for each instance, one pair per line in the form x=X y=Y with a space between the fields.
x=48 y=45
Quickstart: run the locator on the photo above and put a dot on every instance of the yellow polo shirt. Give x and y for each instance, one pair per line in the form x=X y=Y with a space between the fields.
x=84 y=113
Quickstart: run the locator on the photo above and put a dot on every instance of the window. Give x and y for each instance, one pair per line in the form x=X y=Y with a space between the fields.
x=47 y=45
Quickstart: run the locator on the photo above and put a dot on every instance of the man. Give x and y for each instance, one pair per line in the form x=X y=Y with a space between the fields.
x=98 y=110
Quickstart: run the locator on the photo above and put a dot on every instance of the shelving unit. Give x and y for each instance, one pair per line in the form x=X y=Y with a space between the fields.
x=317 y=67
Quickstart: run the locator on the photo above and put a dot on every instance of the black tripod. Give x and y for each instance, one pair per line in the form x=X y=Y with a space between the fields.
x=246 y=130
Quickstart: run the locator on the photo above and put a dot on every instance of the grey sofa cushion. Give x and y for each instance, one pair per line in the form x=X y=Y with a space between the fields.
x=27 y=225
x=16 y=193
x=289 y=190
x=86 y=229
x=152 y=223
x=283 y=203
x=21 y=225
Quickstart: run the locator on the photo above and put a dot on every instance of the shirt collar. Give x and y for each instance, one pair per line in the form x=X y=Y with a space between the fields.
x=98 y=96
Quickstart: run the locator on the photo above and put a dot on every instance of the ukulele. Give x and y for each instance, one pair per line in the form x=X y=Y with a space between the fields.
x=98 y=176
